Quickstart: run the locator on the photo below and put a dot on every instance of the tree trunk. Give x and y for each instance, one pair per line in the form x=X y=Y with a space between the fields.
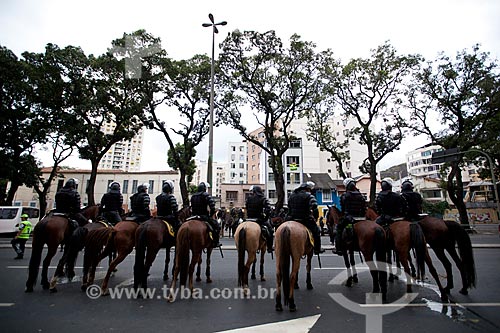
x=92 y=180
x=184 y=189
x=373 y=183
x=456 y=193
x=12 y=193
x=279 y=182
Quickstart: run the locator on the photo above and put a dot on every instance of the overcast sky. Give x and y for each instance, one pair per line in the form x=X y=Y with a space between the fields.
x=350 y=28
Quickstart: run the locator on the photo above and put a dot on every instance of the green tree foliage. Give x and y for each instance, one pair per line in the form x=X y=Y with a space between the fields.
x=455 y=104
x=278 y=83
x=370 y=91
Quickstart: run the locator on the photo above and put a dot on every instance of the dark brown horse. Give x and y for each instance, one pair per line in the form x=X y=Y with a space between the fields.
x=100 y=243
x=192 y=236
x=404 y=236
x=150 y=237
x=292 y=241
x=370 y=239
x=52 y=230
x=248 y=239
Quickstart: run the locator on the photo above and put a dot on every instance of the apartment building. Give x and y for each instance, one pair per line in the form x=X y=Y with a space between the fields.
x=237 y=163
x=123 y=155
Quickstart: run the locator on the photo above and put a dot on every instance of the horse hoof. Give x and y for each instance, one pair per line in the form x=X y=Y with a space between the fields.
x=464 y=291
x=292 y=308
x=296 y=286
x=198 y=279
x=83 y=287
x=444 y=298
x=310 y=287
x=28 y=290
x=253 y=277
x=355 y=279
x=279 y=307
x=45 y=286
x=262 y=278
x=53 y=290
x=209 y=280
x=115 y=270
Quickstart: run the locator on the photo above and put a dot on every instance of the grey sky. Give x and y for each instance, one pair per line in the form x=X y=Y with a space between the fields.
x=349 y=28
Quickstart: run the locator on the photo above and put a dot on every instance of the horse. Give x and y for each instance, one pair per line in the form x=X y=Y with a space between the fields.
x=445 y=235
x=150 y=236
x=370 y=239
x=52 y=230
x=404 y=236
x=248 y=238
x=192 y=236
x=292 y=241
x=100 y=243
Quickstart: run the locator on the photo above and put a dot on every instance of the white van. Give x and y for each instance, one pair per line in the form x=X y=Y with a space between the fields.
x=10 y=217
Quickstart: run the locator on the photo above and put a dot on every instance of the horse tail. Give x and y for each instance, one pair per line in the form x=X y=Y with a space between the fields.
x=98 y=239
x=417 y=242
x=379 y=244
x=284 y=264
x=182 y=254
x=75 y=245
x=36 y=253
x=140 y=255
x=465 y=249
x=241 y=255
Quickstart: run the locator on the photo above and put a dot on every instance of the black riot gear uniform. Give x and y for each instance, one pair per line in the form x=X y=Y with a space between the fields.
x=203 y=205
x=413 y=200
x=353 y=204
x=258 y=208
x=111 y=204
x=167 y=208
x=390 y=205
x=139 y=204
x=303 y=208
x=68 y=202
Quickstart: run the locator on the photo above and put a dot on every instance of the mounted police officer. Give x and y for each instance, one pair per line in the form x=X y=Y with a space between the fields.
x=111 y=204
x=353 y=205
x=258 y=208
x=303 y=208
x=413 y=199
x=389 y=205
x=68 y=202
x=166 y=205
x=203 y=205
x=139 y=204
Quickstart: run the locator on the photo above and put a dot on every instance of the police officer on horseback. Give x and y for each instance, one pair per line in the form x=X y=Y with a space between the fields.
x=353 y=205
x=203 y=205
x=303 y=208
x=388 y=204
x=139 y=204
x=258 y=208
x=68 y=202
x=166 y=205
x=413 y=199
x=111 y=204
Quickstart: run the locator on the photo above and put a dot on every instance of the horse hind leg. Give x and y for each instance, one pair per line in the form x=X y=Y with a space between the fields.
x=112 y=267
x=45 y=267
x=254 y=276
x=293 y=283
x=432 y=270
x=308 y=272
x=209 y=261
x=262 y=255
x=447 y=266
x=353 y=267
x=347 y=264
x=462 y=269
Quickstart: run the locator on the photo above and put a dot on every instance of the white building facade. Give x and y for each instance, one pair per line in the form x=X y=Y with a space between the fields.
x=123 y=155
x=237 y=163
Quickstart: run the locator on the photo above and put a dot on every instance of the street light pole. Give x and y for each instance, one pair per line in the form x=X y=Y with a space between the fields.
x=211 y=123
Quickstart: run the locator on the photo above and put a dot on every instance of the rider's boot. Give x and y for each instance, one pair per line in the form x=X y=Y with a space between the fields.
x=317 y=241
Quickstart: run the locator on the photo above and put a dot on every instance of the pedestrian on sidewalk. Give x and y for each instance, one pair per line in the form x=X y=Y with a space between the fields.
x=19 y=241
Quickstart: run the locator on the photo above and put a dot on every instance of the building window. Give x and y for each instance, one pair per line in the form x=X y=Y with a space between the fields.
x=242 y=165
x=125 y=186
x=348 y=164
x=270 y=177
x=233 y=148
x=253 y=167
x=60 y=184
x=292 y=160
x=272 y=194
x=231 y=195
x=327 y=195
x=295 y=144
x=242 y=148
x=151 y=186
x=134 y=185
x=233 y=165
x=293 y=178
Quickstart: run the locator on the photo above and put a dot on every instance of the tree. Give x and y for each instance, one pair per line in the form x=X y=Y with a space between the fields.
x=24 y=122
x=279 y=84
x=455 y=104
x=370 y=91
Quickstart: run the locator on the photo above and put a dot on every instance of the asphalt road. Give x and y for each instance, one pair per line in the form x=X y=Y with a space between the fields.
x=219 y=306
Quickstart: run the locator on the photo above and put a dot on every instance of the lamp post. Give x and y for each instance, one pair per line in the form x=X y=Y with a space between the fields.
x=211 y=123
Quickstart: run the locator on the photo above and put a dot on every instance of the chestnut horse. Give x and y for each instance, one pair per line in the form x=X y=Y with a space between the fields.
x=248 y=239
x=370 y=239
x=150 y=236
x=292 y=241
x=52 y=230
x=192 y=236
x=404 y=236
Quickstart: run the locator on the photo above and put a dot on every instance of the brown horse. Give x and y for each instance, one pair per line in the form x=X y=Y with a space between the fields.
x=370 y=239
x=248 y=239
x=52 y=230
x=100 y=243
x=404 y=236
x=150 y=236
x=445 y=235
x=192 y=236
x=292 y=241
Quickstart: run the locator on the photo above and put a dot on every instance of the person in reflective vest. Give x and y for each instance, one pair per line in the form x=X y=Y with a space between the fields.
x=22 y=236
